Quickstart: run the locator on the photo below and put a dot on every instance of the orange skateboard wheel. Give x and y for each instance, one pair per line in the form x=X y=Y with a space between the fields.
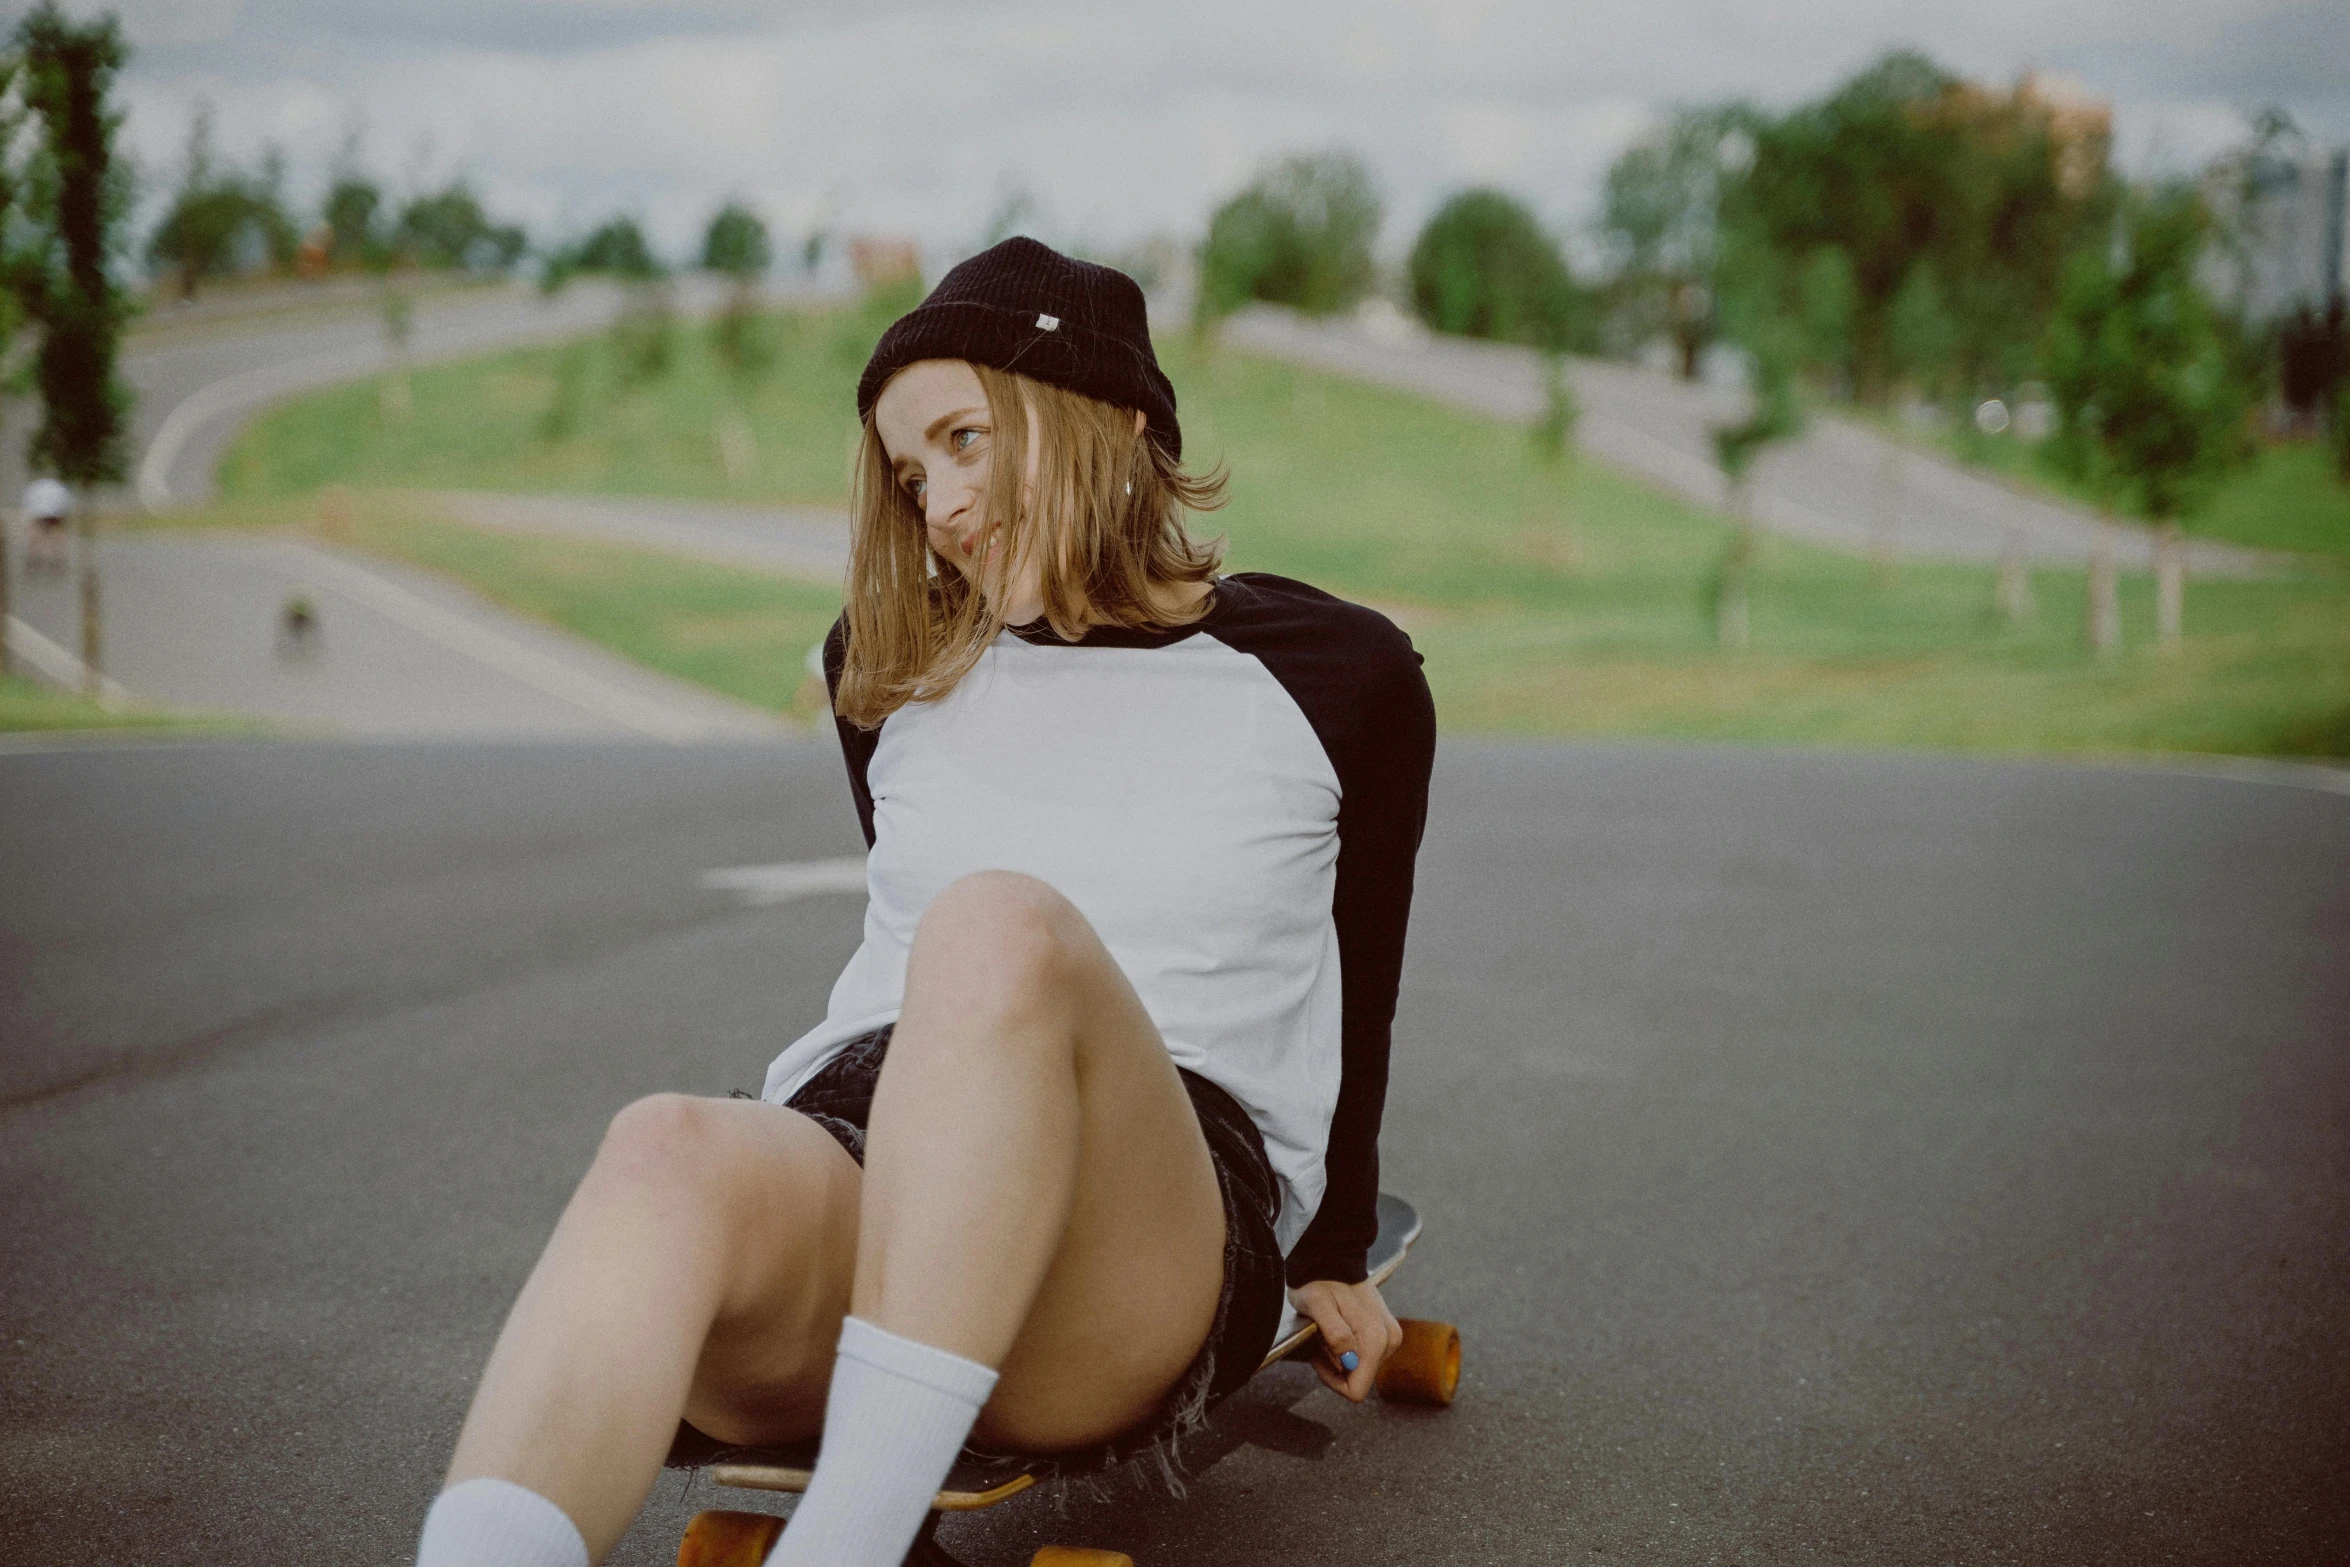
x=1077 y=1556
x=1425 y=1367
x=728 y=1539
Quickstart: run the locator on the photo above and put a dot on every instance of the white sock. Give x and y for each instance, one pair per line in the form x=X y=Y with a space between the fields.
x=486 y=1522
x=895 y=1420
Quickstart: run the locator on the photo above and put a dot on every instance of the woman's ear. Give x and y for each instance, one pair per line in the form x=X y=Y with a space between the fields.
x=1139 y=421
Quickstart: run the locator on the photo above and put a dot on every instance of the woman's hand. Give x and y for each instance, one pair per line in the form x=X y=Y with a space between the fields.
x=1355 y=1322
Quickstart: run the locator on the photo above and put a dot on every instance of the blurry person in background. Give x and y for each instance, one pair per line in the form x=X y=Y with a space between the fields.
x=1098 y=1098
x=47 y=506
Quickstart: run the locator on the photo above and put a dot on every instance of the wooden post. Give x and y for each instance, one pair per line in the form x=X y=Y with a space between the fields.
x=7 y=659
x=2105 y=608
x=2170 y=586
x=93 y=632
x=2015 y=578
x=1886 y=527
x=1732 y=625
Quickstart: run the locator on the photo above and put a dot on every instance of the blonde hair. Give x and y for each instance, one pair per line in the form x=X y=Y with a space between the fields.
x=1104 y=521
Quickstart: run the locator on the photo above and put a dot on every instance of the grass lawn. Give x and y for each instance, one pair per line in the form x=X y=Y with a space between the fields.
x=1575 y=605
x=26 y=705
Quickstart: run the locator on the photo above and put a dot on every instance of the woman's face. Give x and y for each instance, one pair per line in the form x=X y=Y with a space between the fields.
x=933 y=421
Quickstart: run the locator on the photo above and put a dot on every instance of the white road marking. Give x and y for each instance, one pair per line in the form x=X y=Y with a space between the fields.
x=761 y=885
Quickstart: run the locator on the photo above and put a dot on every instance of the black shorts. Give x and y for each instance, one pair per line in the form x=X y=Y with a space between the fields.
x=839 y=1098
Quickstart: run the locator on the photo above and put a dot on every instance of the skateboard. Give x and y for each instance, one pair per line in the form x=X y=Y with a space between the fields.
x=1424 y=1369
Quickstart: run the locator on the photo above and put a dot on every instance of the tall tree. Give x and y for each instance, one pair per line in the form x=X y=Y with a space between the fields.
x=221 y=220
x=1756 y=317
x=1299 y=235
x=13 y=263
x=1907 y=166
x=1661 y=217
x=736 y=246
x=2145 y=401
x=69 y=71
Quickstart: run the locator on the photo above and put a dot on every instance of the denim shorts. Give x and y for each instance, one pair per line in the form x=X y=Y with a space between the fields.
x=839 y=1098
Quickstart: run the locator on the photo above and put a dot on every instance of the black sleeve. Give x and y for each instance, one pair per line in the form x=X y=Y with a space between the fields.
x=856 y=745
x=1358 y=680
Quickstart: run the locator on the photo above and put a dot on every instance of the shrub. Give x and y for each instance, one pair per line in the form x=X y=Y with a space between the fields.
x=1300 y=235
x=1484 y=268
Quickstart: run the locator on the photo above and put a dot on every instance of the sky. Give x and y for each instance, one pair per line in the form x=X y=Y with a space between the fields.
x=1113 y=121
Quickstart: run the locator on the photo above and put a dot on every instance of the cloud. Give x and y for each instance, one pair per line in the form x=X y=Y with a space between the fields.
x=915 y=116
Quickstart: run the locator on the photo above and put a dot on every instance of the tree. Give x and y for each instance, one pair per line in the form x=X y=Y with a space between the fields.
x=1482 y=267
x=353 y=202
x=448 y=230
x=1299 y=235
x=1661 y=216
x=736 y=243
x=69 y=71
x=13 y=174
x=1551 y=443
x=221 y=222
x=644 y=330
x=1755 y=317
x=1905 y=165
x=617 y=249
x=2147 y=409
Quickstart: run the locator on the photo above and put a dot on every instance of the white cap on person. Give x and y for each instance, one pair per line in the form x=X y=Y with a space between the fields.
x=46 y=497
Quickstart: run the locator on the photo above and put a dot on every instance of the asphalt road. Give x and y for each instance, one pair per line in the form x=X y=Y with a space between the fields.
x=1871 y=1158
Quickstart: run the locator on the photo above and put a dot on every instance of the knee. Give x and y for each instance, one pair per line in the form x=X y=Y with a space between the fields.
x=664 y=1141
x=1000 y=939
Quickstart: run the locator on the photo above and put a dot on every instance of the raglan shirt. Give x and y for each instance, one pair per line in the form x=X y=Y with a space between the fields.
x=1234 y=805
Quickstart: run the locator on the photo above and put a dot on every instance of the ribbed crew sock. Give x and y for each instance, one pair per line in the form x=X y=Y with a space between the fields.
x=897 y=1415
x=486 y=1522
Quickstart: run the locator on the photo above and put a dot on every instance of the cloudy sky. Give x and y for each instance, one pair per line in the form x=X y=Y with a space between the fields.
x=1117 y=120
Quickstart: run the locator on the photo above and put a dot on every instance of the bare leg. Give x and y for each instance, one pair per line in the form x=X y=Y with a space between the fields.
x=703 y=1266
x=1038 y=1196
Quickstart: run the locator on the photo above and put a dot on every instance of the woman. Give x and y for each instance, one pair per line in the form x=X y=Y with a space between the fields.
x=1107 y=1071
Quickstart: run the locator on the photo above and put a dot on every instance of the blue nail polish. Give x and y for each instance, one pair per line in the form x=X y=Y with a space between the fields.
x=1350 y=1360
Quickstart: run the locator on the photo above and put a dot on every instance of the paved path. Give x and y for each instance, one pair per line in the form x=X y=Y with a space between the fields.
x=195 y=391
x=194 y=622
x=810 y=542
x=1827 y=487
x=1828 y=1158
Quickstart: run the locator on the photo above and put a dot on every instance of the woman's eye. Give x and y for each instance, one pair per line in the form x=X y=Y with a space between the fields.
x=962 y=439
x=917 y=488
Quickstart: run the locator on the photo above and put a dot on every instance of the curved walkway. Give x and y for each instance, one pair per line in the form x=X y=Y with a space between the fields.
x=1828 y=487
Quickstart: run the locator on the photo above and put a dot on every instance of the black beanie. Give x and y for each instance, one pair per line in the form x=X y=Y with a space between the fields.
x=1026 y=307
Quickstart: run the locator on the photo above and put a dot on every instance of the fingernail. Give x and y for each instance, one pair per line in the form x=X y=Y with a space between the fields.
x=1350 y=1360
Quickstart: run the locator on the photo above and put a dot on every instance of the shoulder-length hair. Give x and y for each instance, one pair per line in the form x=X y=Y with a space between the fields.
x=1104 y=520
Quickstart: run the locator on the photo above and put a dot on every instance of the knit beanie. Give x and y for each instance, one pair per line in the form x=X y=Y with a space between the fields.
x=1025 y=307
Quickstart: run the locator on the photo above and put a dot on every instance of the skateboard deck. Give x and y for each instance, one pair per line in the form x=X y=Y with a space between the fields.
x=1422 y=1370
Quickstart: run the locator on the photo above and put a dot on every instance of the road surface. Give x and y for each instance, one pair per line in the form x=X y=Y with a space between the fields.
x=1827 y=1158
